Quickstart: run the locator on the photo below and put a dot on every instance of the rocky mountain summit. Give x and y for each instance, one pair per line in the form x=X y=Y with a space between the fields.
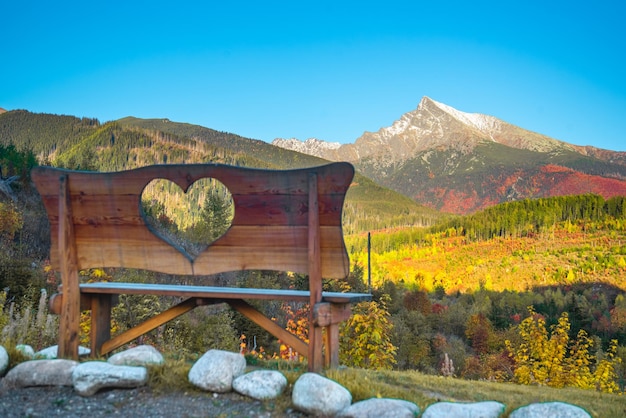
x=462 y=162
x=433 y=125
x=312 y=146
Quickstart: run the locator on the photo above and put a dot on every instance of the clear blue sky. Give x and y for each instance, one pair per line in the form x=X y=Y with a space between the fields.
x=324 y=69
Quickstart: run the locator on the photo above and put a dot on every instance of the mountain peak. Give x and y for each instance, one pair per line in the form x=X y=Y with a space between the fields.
x=484 y=123
x=2 y=110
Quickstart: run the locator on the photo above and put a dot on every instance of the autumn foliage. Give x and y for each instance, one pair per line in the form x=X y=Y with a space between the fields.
x=553 y=359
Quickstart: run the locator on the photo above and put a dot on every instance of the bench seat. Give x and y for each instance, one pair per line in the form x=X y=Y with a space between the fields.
x=100 y=297
x=212 y=292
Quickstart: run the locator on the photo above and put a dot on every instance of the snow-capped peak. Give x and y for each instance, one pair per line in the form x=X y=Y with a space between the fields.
x=311 y=146
x=479 y=121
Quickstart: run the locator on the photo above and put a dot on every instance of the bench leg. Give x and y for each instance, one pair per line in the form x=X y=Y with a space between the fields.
x=100 y=322
x=332 y=346
x=328 y=316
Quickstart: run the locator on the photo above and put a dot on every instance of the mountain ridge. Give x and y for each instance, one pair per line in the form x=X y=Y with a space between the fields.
x=434 y=124
x=453 y=161
x=86 y=144
x=435 y=155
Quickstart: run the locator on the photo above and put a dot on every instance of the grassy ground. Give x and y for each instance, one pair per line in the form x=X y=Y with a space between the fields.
x=418 y=388
x=424 y=390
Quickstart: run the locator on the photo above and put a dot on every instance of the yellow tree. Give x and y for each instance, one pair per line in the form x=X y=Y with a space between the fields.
x=543 y=360
x=366 y=337
x=539 y=359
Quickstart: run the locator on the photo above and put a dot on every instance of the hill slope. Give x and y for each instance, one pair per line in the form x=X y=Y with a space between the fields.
x=130 y=142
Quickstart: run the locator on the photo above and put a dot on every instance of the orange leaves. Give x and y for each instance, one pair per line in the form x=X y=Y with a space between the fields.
x=250 y=348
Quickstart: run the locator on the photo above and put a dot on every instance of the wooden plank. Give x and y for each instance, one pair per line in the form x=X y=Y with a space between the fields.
x=208 y=292
x=251 y=209
x=219 y=292
x=332 y=346
x=315 y=277
x=69 y=321
x=285 y=210
x=148 y=325
x=275 y=249
x=214 y=260
x=270 y=326
x=335 y=178
x=100 y=322
x=55 y=304
x=322 y=314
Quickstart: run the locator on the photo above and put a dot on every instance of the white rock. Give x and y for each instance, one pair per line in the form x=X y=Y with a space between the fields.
x=55 y=372
x=51 y=352
x=381 y=408
x=319 y=396
x=550 y=409
x=260 y=384
x=216 y=370
x=142 y=355
x=488 y=409
x=91 y=376
x=4 y=360
x=26 y=350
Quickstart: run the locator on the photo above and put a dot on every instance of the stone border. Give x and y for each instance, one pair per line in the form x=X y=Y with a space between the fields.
x=220 y=371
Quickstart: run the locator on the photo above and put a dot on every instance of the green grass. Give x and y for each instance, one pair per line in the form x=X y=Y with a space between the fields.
x=421 y=389
x=425 y=390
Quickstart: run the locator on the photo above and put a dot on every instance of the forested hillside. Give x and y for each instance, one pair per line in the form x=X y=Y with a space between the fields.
x=515 y=246
x=85 y=144
x=517 y=272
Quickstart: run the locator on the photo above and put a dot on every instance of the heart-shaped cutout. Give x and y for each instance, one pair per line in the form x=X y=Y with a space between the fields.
x=190 y=221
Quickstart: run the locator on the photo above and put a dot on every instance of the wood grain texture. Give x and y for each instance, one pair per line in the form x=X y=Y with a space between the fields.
x=315 y=356
x=269 y=230
x=68 y=266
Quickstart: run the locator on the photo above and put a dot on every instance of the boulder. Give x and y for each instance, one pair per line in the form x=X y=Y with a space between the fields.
x=26 y=350
x=260 y=384
x=488 y=409
x=51 y=352
x=316 y=395
x=381 y=408
x=216 y=370
x=89 y=377
x=55 y=372
x=4 y=360
x=550 y=409
x=142 y=355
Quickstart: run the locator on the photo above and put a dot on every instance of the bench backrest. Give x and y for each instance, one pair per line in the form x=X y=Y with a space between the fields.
x=280 y=218
x=287 y=220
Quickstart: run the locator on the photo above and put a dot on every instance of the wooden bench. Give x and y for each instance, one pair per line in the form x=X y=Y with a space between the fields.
x=284 y=220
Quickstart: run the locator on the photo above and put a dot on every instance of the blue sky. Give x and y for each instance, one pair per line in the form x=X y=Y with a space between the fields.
x=324 y=69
